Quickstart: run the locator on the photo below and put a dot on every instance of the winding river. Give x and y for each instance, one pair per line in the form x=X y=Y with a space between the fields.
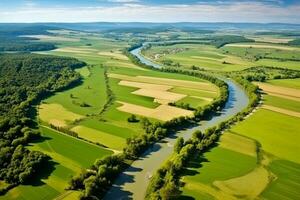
x=133 y=182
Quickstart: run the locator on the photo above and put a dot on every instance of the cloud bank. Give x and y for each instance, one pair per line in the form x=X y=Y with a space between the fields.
x=134 y=11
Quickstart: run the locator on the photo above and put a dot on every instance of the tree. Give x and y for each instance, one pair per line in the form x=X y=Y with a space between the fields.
x=179 y=144
x=132 y=119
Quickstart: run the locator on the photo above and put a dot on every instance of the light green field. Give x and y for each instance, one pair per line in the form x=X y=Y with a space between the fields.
x=91 y=92
x=235 y=156
x=291 y=83
x=106 y=139
x=228 y=58
x=286 y=185
x=204 y=56
x=69 y=156
x=271 y=128
x=282 y=103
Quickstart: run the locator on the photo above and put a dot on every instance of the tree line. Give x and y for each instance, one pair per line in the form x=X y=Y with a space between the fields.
x=10 y=39
x=26 y=79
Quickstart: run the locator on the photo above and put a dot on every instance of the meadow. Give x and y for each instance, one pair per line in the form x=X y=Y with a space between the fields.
x=230 y=57
x=66 y=160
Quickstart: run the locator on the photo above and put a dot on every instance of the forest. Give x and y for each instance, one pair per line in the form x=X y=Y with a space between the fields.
x=10 y=39
x=25 y=79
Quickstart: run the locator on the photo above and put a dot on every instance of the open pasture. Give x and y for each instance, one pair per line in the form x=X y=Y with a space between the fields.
x=282 y=102
x=87 y=98
x=67 y=160
x=106 y=139
x=269 y=128
x=203 y=56
x=204 y=175
x=290 y=83
x=57 y=115
x=263 y=46
x=286 y=185
x=230 y=57
x=271 y=39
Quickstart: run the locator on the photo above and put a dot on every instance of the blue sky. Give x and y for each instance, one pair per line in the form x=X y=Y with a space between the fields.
x=287 y=11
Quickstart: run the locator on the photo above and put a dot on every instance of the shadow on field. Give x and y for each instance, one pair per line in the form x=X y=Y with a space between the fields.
x=193 y=167
x=45 y=171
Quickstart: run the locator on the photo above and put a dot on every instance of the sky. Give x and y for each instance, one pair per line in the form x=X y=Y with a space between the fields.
x=263 y=11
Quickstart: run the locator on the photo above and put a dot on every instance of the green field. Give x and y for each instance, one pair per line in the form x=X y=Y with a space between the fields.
x=291 y=83
x=67 y=160
x=286 y=186
x=227 y=58
x=204 y=56
x=282 y=103
x=218 y=164
x=271 y=128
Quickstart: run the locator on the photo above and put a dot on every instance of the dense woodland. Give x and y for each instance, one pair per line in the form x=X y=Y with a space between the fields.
x=10 y=39
x=25 y=79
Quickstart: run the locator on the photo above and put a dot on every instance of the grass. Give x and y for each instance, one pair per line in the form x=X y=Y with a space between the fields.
x=204 y=56
x=193 y=101
x=106 y=139
x=291 y=83
x=286 y=186
x=56 y=114
x=227 y=58
x=124 y=93
x=271 y=128
x=91 y=92
x=69 y=156
x=194 y=92
x=217 y=164
x=282 y=103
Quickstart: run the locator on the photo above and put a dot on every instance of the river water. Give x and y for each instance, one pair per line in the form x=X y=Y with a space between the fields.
x=133 y=182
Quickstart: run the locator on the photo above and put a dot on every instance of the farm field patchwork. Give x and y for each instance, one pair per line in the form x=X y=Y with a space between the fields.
x=67 y=160
x=275 y=172
x=78 y=110
x=234 y=156
x=158 y=90
x=257 y=158
x=230 y=57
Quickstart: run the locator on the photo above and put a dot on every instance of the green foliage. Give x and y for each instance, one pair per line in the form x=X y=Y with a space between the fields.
x=97 y=180
x=178 y=145
x=264 y=73
x=132 y=119
x=220 y=41
x=10 y=39
x=20 y=44
x=26 y=78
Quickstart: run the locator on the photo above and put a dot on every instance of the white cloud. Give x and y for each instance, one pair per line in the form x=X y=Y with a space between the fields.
x=237 y=12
